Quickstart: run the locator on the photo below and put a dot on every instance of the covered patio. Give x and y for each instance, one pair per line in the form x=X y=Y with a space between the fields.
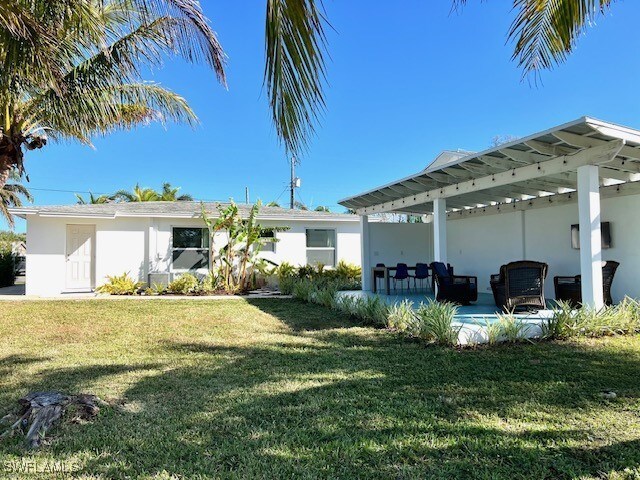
x=517 y=201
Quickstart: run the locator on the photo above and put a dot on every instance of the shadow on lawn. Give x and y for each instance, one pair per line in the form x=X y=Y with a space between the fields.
x=355 y=403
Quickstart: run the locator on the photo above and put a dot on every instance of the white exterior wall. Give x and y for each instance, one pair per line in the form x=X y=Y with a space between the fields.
x=120 y=246
x=140 y=245
x=392 y=243
x=479 y=245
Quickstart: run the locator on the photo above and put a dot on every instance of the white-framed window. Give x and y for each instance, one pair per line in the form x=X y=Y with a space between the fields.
x=321 y=246
x=189 y=249
x=268 y=246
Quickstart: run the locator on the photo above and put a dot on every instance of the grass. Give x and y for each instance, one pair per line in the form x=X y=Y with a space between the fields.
x=278 y=389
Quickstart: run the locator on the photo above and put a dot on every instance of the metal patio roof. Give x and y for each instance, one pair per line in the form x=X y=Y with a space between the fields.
x=498 y=175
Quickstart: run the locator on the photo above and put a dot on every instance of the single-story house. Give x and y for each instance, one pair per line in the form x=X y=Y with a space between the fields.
x=73 y=248
x=568 y=196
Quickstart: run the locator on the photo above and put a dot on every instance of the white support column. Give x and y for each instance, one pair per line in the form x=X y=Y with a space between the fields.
x=590 y=236
x=365 y=253
x=440 y=230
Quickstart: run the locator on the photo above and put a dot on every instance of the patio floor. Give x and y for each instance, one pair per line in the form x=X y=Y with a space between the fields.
x=472 y=319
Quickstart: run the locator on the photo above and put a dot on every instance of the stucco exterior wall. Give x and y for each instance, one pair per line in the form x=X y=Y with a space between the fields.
x=120 y=246
x=478 y=246
x=141 y=245
x=392 y=243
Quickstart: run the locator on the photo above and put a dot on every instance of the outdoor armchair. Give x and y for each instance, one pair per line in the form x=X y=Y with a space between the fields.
x=460 y=289
x=520 y=285
x=569 y=289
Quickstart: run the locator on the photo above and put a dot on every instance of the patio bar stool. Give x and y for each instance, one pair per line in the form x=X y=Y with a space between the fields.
x=402 y=274
x=422 y=274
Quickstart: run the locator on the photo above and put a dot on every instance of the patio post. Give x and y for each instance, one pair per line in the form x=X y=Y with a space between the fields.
x=364 y=253
x=590 y=236
x=440 y=230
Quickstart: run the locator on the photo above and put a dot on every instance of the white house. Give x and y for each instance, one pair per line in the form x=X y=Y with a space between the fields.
x=522 y=200
x=72 y=248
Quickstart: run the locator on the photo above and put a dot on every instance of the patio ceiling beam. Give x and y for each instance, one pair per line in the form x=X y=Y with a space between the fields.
x=583 y=141
x=542 y=202
x=410 y=185
x=589 y=156
x=549 y=148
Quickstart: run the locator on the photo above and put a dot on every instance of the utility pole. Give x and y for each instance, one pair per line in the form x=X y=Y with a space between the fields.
x=295 y=183
x=246 y=195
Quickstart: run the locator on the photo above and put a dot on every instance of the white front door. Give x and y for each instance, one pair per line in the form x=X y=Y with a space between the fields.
x=80 y=256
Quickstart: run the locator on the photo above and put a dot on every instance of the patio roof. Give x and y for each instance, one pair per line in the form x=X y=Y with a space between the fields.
x=519 y=173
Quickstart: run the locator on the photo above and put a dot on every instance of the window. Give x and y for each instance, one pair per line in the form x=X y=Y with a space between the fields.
x=190 y=248
x=269 y=246
x=321 y=247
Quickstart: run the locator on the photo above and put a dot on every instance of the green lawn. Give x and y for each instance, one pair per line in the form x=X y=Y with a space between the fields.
x=278 y=389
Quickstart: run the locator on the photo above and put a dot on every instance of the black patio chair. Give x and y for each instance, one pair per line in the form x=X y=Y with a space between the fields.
x=569 y=289
x=460 y=289
x=402 y=274
x=520 y=285
x=422 y=274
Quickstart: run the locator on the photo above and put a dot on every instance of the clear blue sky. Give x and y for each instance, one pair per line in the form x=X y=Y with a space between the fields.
x=406 y=80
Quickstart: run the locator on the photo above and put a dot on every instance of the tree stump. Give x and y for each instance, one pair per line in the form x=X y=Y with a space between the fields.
x=40 y=410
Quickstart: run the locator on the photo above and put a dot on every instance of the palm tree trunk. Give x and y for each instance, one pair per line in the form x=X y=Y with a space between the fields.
x=9 y=158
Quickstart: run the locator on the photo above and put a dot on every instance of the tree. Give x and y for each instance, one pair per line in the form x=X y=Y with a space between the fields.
x=93 y=199
x=273 y=204
x=11 y=196
x=139 y=194
x=321 y=208
x=545 y=32
x=170 y=194
x=71 y=69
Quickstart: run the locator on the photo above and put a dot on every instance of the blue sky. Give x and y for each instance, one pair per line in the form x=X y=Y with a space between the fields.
x=406 y=80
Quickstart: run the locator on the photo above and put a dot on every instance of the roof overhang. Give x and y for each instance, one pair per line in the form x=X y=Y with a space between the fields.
x=24 y=212
x=538 y=166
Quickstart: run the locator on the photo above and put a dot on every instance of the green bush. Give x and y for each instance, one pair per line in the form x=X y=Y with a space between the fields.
x=402 y=316
x=620 y=319
x=185 y=284
x=512 y=328
x=348 y=271
x=120 y=285
x=7 y=268
x=436 y=323
x=344 y=277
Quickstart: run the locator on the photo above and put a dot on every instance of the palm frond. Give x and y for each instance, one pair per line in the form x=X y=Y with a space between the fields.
x=295 y=69
x=11 y=196
x=83 y=113
x=197 y=42
x=545 y=31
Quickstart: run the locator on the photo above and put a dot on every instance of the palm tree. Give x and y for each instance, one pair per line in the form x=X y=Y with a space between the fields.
x=170 y=194
x=11 y=196
x=545 y=32
x=138 y=194
x=93 y=199
x=70 y=70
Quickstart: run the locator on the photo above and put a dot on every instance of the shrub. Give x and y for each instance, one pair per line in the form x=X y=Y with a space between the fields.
x=436 y=322
x=402 y=316
x=348 y=271
x=494 y=332
x=286 y=285
x=185 y=284
x=567 y=322
x=120 y=285
x=7 y=268
x=512 y=328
